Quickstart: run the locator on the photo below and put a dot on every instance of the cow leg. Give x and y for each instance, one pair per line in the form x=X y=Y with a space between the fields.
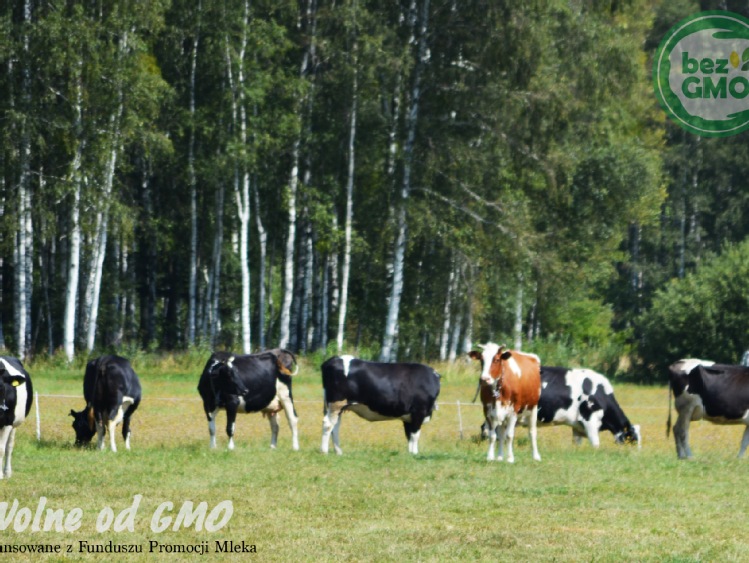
x=509 y=436
x=212 y=428
x=231 y=417
x=744 y=442
x=115 y=418
x=337 y=436
x=533 y=433
x=100 y=429
x=273 y=419
x=493 y=426
x=331 y=424
x=591 y=431
x=6 y=450
x=291 y=418
x=126 y=422
x=577 y=436
x=681 y=433
x=413 y=431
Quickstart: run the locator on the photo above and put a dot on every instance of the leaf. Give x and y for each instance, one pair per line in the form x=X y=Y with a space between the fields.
x=745 y=55
x=745 y=66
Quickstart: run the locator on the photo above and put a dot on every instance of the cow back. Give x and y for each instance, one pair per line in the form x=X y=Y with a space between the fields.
x=108 y=379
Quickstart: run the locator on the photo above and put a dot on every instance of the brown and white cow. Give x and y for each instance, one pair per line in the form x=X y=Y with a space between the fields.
x=510 y=387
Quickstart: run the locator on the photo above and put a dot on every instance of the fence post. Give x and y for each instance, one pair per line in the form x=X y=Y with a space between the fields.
x=460 y=421
x=38 y=422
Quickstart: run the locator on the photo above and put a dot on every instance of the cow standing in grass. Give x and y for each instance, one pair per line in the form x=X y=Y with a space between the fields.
x=15 y=403
x=510 y=387
x=718 y=393
x=377 y=391
x=249 y=383
x=112 y=392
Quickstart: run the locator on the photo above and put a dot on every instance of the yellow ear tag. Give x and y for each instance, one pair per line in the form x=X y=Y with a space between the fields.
x=15 y=383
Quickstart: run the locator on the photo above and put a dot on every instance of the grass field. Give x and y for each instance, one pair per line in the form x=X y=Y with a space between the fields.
x=376 y=502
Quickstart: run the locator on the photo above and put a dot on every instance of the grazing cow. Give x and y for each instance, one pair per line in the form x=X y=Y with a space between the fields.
x=377 y=391
x=15 y=403
x=112 y=392
x=249 y=383
x=583 y=399
x=718 y=393
x=510 y=386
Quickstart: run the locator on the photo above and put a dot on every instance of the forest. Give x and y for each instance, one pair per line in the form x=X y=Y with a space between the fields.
x=402 y=179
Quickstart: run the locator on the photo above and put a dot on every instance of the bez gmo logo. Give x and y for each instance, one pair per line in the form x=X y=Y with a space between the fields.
x=701 y=74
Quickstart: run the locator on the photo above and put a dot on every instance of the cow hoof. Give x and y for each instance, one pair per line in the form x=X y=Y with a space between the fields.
x=272 y=446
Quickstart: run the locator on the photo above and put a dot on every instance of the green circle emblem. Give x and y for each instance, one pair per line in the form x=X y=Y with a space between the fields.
x=701 y=73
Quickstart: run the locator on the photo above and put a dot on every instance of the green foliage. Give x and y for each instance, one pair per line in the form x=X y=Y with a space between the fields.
x=701 y=316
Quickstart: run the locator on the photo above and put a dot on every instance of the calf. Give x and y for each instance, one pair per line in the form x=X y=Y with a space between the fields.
x=249 y=383
x=510 y=387
x=15 y=403
x=377 y=391
x=583 y=399
x=718 y=393
x=112 y=392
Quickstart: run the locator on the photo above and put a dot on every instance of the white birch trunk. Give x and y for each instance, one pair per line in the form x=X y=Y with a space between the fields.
x=518 y=328
x=288 y=268
x=389 y=341
x=193 y=189
x=346 y=268
x=263 y=240
x=74 y=253
x=446 y=325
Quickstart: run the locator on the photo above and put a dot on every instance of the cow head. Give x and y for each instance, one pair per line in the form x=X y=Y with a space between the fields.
x=225 y=378
x=286 y=361
x=10 y=380
x=630 y=435
x=491 y=357
x=84 y=425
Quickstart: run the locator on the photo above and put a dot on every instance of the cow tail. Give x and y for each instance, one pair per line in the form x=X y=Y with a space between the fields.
x=478 y=388
x=668 y=421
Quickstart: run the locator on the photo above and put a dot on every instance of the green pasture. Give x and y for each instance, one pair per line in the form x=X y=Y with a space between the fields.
x=377 y=502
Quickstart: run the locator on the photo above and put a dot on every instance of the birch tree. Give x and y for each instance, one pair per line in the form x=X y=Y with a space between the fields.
x=420 y=27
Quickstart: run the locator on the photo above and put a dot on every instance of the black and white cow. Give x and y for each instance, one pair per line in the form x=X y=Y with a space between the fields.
x=15 y=403
x=377 y=391
x=249 y=383
x=718 y=393
x=112 y=392
x=584 y=400
x=688 y=406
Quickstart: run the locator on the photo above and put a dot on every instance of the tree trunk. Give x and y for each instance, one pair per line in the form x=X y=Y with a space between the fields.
x=518 y=328
x=74 y=252
x=346 y=268
x=193 y=189
x=389 y=341
x=263 y=241
x=288 y=268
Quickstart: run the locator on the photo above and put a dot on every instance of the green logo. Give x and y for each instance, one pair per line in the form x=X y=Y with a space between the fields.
x=701 y=74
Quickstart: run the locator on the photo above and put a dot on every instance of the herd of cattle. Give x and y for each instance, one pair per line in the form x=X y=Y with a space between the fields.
x=514 y=388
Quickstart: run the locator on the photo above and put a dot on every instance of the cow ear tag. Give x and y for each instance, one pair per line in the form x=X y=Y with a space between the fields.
x=15 y=383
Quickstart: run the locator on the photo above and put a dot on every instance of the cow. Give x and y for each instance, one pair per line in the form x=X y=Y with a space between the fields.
x=510 y=386
x=112 y=392
x=583 y=399
x=377 y=391
x=249 y=383
x=718 y=393
x=16 y=394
